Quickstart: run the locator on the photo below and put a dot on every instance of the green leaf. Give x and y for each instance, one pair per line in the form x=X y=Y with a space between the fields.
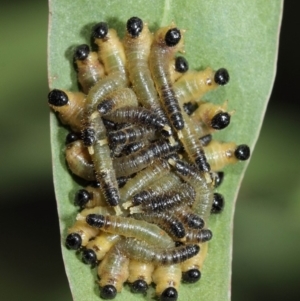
x=241 y=35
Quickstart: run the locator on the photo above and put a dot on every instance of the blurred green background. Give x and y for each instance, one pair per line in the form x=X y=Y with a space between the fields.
x=266 y=261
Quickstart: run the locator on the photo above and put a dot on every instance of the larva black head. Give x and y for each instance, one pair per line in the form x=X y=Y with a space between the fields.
x=221 y=77
x=89 y=257
x=71 y=137
x=220 y=121
x=95 y=184
x=139 y=286
x=95 y=220
x=218 y=178
x=242 y=152
x=190 y=107
x=82 y=52
x=172 y=37
x=108 y=292
x=181 y=64
x=73 y=241
x=169 y=294
x=57 y=98
x=100 y=30
x=82 y=197
x=88 y=136
x=218 y=203
x=134 y=26
x=191 y=276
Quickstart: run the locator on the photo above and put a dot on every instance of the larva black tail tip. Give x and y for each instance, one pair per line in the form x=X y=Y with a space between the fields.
x=172 y=37
x=139 y=286
x=220 y=121
x=181 y=64
x=71 y=137
x=218 y=203
x=242 y=152
x=89 y=257
x=73 y=241
x=88 y=137
x=193 y=250
x=108 y=292
x=169 y=294
x=134 y=26
x=82 y=52
x=222 y=77
x=196 y=222
x=100 y=30
x=95 y=220
x=57 y=98
x=191 y=276
x=82 y=197
x=205 y=140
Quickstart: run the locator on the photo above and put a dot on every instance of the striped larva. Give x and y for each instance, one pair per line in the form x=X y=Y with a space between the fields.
x=166 y=221
x=79 y=160
x=69 y=105
x=192 y=145
x=204 y=190
x=130 y=227
x=111 y=50
x=140 y=275
x=122 y=97
x=137 y=43
x=198 y=236
x=188 y=217
x=89 y=69
x=139 y=115
x=221 y=154
x=94 y=136
x=191 y=268
x=164 y=201
x=96 y=249
x=130 y=134
x=194 y=84
x=113 y=272
x=145 y=177
x=145 y=252
x=167 y=41
x=135 y=162
x=167 y=280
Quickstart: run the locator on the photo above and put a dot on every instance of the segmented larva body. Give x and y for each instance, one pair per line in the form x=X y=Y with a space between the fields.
x=95 y=138
x=167 y=280
x=144 y=251
x=144 y=178
x=144 y=216
x=89 y=69
x=137 y=43
x=69 y=106
x=118 y=99
x=79 y=160
x=113 y=272
x=130 y=227
x=221 y=154
x=167 y=41
x=137 y=161
x=140 y=275
x=194 y=84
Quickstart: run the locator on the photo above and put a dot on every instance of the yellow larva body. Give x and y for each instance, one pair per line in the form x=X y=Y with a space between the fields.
x=79 y=160
x=89 y=71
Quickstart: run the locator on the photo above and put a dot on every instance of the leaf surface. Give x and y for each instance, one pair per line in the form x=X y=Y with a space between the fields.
x=240 y=35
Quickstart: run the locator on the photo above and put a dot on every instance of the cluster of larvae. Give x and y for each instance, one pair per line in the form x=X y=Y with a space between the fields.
x=141 y=137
